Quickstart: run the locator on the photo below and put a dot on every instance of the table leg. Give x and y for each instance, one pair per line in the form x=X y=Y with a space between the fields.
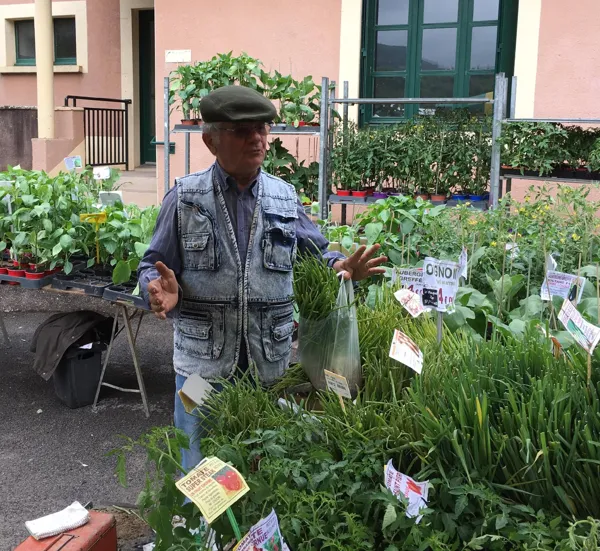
x=138 y=371
x=110 y=344
x=4 y=331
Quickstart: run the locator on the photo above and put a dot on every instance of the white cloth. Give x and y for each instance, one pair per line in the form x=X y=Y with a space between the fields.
x=71 y=517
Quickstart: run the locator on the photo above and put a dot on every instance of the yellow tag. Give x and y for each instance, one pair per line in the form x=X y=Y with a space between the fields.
x=213 y=486
x=93 y=217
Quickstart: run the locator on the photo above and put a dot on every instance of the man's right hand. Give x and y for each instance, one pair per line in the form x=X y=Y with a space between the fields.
x=164 y=291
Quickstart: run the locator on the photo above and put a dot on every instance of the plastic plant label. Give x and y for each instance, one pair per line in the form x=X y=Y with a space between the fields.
x=401 y=484
x=463 y=261
x=73 y=162
x=110 y=198
x=194 y=391
x=405 y=351
x=550 y=262
x=562 y=285
x=264 y=535
x=338 y=384
x=512 y=249
x=411 y=302
x=93 y=217
x=440 y=283
x=101 y=172
x=585 y=334
x=213 y=486
x=412 y=279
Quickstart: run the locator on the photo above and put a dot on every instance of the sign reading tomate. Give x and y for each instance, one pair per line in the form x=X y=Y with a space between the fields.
x=440 y=283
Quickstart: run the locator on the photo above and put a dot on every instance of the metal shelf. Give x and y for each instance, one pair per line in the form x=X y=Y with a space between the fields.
x=276 y=130
x=511 y=176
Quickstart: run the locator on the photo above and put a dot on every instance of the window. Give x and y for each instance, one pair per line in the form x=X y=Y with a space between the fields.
x=435 y=49
x=65 y=51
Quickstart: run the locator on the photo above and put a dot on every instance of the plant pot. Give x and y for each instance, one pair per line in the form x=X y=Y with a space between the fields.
x=196 y=122
x=370 y=191
x=36 y=268
x=15 y=273
x=380 y=195
x=302 y=123
x=424 y=196
x=458 y=197
x=3 y=271
x=343 y=192
x=34 y=275
x=187 y=122
x=359 y=194
x=438 y=197
x=476 y=198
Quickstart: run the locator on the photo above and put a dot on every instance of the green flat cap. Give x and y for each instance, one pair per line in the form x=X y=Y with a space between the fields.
x=236 y=104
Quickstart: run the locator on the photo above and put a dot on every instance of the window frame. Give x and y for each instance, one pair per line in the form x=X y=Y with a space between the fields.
x=504 y=55
x=31 y=62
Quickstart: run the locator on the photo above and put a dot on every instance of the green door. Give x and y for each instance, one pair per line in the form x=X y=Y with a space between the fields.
x=147 y=88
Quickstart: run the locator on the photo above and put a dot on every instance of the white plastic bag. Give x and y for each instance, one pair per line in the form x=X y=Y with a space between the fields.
x=332 y=343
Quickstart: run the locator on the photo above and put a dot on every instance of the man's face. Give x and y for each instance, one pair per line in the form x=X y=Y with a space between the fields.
x=239 y=147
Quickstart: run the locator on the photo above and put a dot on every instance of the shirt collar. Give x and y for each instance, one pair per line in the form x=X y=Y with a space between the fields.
x=225 y=180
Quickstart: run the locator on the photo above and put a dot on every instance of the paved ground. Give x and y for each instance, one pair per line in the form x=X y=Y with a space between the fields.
x=52 y=457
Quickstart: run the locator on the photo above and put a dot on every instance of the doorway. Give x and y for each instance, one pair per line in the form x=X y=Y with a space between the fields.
x=147 y=88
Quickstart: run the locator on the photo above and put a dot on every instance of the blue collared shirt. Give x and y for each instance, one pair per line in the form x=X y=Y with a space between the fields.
x=164 y=246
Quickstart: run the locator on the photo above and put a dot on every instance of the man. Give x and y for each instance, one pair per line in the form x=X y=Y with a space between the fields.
x=220 y=261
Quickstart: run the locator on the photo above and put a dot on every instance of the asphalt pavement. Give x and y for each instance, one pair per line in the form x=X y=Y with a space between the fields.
x=51 y=455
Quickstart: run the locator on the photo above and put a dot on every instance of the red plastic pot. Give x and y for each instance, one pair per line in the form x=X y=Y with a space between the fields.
x=187 y=122
x=15 y=273
x=34 y=275
x=302 y=123
x=343 y=193
x=359 y=194
x=3 y=271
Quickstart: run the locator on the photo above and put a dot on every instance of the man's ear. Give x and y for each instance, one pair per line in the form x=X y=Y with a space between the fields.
x=208 y=140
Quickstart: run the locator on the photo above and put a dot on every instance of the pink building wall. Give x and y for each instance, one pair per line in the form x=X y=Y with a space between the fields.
x=568 y=80
x=103 y=78
x=289 y=36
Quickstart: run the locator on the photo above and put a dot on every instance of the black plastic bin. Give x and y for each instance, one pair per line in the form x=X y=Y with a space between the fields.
x=77 y=375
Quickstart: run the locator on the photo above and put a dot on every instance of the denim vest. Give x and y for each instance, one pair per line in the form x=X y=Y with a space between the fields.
x=224 y=301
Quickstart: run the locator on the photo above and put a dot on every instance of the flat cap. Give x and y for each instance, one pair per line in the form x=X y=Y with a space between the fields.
x=236 y=104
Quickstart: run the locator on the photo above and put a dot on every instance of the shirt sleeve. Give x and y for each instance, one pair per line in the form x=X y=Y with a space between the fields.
x=311 y=240
x=164 y=247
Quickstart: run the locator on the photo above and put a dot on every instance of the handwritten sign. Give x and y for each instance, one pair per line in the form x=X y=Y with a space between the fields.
x=562 y=285
x=338 y=384
x=440 y=283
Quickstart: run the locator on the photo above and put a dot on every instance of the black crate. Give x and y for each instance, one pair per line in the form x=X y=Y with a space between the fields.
x=85 y=280
x=77 y=376
x=122 y=293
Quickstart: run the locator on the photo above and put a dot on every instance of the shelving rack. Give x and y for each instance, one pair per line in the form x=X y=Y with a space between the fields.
x=328 y=103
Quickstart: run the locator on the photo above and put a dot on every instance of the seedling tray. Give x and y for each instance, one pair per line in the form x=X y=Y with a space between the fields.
x=84 y=280
x=29 y=283
x=122 y=293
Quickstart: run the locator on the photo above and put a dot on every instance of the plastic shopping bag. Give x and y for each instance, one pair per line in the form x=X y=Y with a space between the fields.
x=332 y=343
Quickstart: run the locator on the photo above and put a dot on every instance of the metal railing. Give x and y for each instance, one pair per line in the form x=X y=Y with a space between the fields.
x=106 y=131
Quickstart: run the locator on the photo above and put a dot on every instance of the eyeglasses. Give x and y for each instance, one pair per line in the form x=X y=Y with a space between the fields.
x=244 y=131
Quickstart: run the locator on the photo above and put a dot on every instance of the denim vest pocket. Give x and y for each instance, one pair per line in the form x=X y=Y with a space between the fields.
x=198 y=251
x=203 y=335
x=277 y=329
x=279 y=243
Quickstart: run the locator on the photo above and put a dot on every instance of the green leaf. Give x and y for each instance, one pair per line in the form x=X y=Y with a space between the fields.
x=373 y=231
x=389 y=517
x=66 y=242
x=68 y=267
x=140 y=249
x=121 y=272
x=90 y=262
x=56 y=250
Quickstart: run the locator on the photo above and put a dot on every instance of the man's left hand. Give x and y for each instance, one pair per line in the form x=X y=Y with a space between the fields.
x=361 y=264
